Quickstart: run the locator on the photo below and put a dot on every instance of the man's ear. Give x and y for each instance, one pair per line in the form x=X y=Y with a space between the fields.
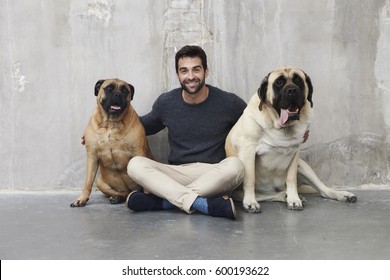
x=262 y=91
x=97 y=86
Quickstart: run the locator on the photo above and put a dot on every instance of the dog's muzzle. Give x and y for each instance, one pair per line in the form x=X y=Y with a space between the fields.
x=291 y=103
x=115 y=104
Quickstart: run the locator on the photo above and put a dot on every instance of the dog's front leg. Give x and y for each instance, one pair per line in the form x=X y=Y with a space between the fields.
x=293 y=200
x=92 y=167
x=248 y=157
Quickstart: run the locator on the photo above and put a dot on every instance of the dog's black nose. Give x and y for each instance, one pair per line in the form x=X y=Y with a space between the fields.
x=291 y=90
x=116 y=96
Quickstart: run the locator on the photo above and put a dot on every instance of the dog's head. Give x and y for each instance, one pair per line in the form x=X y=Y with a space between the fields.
x=287 y=90
x=114 y=96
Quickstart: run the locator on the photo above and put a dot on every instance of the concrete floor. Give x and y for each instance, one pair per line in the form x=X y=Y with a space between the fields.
x=43 y=226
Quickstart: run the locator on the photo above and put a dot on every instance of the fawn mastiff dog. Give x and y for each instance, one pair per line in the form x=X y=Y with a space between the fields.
x=113 y=136
x=267 y=139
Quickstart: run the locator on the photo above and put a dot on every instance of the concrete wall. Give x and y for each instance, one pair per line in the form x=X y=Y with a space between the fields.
x=53 y=52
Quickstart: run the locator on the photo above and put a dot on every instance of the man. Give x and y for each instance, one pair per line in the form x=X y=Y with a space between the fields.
x=198 y=118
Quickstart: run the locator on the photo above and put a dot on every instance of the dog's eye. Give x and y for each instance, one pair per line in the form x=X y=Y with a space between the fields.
x=298 y=81
x=124 y=90
x=110 y=88
x=279 y=82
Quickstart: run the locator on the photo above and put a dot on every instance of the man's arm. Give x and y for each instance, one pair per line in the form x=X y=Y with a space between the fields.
x=152 y=122
x=305 y=136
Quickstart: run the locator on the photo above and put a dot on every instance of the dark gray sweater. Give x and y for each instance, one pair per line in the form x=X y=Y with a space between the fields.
x=196 y=133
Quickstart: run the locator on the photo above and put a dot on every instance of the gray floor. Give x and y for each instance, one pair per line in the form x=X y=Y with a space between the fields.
x=43 y=226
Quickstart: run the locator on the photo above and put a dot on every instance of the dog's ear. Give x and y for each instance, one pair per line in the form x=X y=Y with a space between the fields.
x=262 y=91
x=132 y=89
x=310 y=86
x=97 y=86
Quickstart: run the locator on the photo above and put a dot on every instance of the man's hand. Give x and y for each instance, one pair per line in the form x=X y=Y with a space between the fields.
x=305 y=136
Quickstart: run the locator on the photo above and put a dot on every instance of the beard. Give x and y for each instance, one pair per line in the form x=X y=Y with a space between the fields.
x=198 y=85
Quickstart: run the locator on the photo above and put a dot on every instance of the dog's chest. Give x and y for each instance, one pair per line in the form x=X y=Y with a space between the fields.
x=272 y=164
x=114 y=152
x=275 y=151
x=274 y=158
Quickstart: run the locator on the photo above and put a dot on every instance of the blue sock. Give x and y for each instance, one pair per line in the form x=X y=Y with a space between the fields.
x=166 y=205
x=200 y=204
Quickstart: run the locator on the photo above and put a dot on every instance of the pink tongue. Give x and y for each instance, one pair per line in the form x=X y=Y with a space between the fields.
x=283 y=116
x=115 y=107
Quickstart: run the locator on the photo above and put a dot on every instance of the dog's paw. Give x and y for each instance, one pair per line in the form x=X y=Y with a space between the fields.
x=116 y=199
x=252 y=207
x=345 y=196
x=80 y=202
x=351 y=199
x=296 y=204
x=295 y=201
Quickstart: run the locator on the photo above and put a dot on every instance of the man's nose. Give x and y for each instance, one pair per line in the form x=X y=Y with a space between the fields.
x=191 y=74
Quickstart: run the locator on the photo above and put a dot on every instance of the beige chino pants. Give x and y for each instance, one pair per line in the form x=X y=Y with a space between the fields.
x=182 y=184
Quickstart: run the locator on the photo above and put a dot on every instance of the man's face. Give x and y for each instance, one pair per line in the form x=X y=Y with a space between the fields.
x=192 y=76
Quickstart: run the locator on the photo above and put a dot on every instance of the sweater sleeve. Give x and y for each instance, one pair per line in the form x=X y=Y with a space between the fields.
x=238 y=108
x=152 y=121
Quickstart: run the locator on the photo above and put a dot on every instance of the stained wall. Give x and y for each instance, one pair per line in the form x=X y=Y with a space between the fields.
x=53 y=52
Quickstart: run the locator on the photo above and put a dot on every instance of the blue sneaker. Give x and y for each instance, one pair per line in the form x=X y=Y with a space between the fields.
x=139 y=201
x=222 y=206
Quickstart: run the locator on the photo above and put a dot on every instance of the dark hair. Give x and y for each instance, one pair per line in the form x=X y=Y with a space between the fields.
x=191 y=51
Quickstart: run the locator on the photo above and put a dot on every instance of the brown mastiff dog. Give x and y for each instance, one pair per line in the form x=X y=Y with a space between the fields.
x=267 y=139
x=113 y=136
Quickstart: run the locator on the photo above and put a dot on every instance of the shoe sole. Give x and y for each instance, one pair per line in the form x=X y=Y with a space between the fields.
x=233 y=208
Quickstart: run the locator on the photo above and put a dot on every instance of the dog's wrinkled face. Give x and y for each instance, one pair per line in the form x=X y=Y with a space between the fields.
x=114 y=95
x=286 y=89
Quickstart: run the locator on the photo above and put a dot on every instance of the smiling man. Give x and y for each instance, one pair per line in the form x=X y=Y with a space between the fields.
x=198 y=118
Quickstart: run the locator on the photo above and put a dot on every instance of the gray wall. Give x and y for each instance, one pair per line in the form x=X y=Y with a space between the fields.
x=53 y=52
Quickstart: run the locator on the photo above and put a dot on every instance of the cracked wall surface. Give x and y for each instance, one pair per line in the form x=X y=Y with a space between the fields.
x=53 y=54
